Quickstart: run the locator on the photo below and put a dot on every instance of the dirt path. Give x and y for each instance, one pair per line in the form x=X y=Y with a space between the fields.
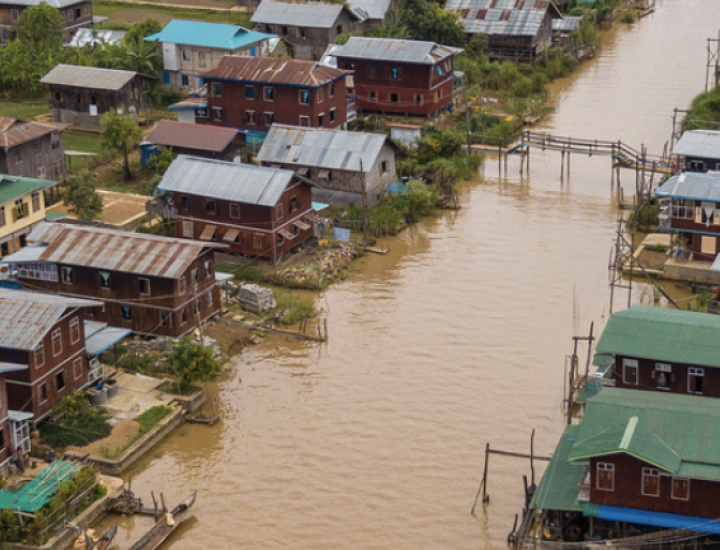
x=188 y=5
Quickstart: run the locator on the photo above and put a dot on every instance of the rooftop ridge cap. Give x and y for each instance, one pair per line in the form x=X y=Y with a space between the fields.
x=629 y=432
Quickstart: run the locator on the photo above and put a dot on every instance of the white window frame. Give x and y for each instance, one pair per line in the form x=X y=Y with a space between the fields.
x=630 y=363
x=672 y=488
x=236 y=208
x=646 y=473
x=74 y=322
x=56 y=333
x=77 y=368
x=666 y=369
x=42 y=400
x=605 y=467
x=58 y=373
x=693 y=372
x=40 y=348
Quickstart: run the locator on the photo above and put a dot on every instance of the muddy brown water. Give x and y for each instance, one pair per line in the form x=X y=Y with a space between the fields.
x=456 y=338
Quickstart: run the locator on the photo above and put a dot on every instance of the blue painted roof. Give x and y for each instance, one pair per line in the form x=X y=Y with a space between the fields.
x=209 y=35
x=655 y=519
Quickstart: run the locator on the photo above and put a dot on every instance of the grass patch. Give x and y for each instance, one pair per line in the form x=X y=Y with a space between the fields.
x=661 y=248
x=147 y=420
x=628 y=16
x=24 y=110
x=83 y=141
x=248 y=273
x=103 y=7
x=295 y=308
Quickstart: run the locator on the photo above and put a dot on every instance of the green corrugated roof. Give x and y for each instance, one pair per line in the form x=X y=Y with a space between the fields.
x=55 y=216
x=37 y=493
x=630 y=437
x=558 y=488
x=13 y=187
x=663 y=335
x=685 y=424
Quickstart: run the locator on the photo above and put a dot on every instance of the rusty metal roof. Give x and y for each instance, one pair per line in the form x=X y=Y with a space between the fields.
x=392 y=49
x=243 y=183
x=502 y=17
x=270 y=70
x=88 y=77
x=188 y=135
x=112 y=250
x=26 y=317
x=323 y=148
x=14 y=133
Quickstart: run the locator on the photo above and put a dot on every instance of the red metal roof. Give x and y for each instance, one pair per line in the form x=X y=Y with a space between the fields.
x=274 y=70
x=187 y=135
x=14 y=133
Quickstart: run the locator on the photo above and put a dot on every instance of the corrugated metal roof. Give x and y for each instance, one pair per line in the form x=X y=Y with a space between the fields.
x=321 y=148
x=688 y=425
x=202 y=137
x=391 y=49
x=112 y=250
x=319 y=15
x=99 y=337
x=663 y=334
x=699 y=143
x=630 y=437
x=274 y=70
x=11 y=367
x=375 y=9
x=567 y=24
x=26 y=317
x=14 y=133
x=189 y=104
x=13 y=187
x=558 y=488
x=91 y=37
x=502 y=17
x=692 y=185
x=88 y=77
x=243 y=183
x=209 y=35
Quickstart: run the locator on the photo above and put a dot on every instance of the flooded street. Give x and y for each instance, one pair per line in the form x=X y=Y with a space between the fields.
x=456 y=338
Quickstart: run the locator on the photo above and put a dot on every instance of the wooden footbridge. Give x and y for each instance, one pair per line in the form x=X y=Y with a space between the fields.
x=622 y=155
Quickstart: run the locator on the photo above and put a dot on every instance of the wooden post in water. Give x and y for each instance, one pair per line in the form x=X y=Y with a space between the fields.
x=568 y=165
x=562 y=165
x=486 y=497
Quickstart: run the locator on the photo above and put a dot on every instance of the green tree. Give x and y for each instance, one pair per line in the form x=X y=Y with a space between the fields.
x=81 y=197
x=140 y=56
x=419 y=200
x=190 y=362
x=144 y=28
x=121 y=134
x=41 y=24
x=426 y=20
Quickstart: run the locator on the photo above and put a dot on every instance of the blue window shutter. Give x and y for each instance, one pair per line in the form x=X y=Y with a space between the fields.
x=166 y=77
x=253 y=51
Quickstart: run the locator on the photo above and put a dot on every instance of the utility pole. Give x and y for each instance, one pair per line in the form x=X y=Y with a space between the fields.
x=467 y=119
x=364 y=204
x=197 y=312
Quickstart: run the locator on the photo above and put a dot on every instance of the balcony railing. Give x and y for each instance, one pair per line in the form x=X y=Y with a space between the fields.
x=351 y=110
x=161 y=208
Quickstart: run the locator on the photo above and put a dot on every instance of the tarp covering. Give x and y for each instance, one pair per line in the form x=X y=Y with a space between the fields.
x=656 y=519
x=38 y=492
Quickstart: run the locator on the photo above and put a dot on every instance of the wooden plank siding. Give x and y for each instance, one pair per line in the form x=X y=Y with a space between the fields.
x=627 y=490
x=259 y=226
x=417 y=90
x=42 y=157
x=677 y=380
x=4 y=423
x=53 y=372
x=233 y=109
x=161 y=306
x=71 y=104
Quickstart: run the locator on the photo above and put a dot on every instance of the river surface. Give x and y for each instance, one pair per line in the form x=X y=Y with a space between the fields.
x=456 y=338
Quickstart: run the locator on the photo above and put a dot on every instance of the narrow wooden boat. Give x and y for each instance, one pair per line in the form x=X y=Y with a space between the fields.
x=105 y=539
x=165 y=525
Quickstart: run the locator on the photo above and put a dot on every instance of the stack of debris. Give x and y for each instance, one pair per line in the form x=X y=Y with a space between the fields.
x=255 y=298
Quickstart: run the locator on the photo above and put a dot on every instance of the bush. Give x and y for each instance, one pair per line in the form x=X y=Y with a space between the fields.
x=295 y=308
x=628 y=16
x=76 y=422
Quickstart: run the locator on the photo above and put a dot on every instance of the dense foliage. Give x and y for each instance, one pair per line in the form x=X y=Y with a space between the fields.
x=189 y=362
x=121 y=134
x=704 y=111
x=75 y=422
x=38 y=48
x=81 y=197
